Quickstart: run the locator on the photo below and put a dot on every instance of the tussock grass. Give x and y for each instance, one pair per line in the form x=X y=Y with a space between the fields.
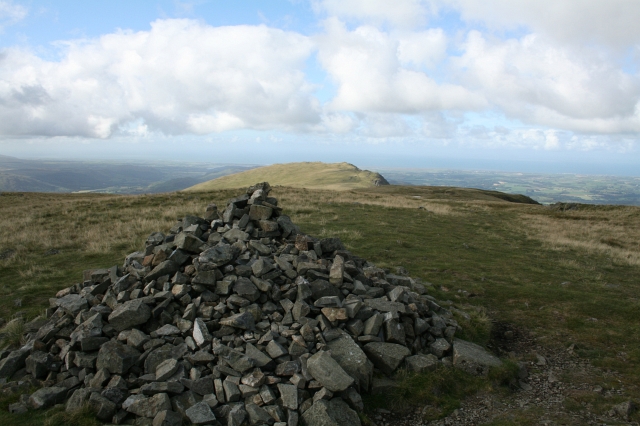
x=600 y=230
x=11 y=334
x=81 y=417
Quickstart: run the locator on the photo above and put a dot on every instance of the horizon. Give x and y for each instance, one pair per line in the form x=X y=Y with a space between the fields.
x=429 y=84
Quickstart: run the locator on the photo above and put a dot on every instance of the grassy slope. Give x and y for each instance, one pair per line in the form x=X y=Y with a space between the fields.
x=337 y=176
x=570 y=277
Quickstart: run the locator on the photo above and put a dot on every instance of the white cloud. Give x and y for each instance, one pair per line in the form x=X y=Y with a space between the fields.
x=540 y=82
x=366 y=67
x=182 y=76
x=612 y=22
x=403 y=13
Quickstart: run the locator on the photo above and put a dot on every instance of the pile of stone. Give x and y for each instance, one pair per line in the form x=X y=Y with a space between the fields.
x=234 y=318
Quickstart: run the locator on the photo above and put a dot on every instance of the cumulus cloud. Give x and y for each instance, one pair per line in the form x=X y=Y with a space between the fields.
x=612 y=22
x=182 y=76
x=365 y=65
x=540 y=82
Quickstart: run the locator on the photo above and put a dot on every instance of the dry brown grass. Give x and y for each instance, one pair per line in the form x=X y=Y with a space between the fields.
x=610 y=231
x=303 y=200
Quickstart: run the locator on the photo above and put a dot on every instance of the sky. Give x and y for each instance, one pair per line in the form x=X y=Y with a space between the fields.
x=527 y=85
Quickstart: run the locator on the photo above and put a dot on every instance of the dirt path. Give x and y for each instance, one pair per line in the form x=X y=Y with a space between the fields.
x=549 y=395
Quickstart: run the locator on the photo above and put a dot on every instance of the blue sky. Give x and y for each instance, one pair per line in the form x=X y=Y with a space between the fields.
x=533 y=85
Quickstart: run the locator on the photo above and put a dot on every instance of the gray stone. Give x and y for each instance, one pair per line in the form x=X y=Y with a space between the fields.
x=336 y=273
x=354 y=399
x=129 y=314
x=201 y=414
x=235 y=234
x=330 y=413
x=218 y=256
x=153 y=388
x=168 y=267
x=116 y=357
x=188 y=242
x=38 y=364
x=72 y=303
x=394 y=332
x=261 y=267
x=440 y=347
x=289 y=396
x=166 y=369
x=207 y=278
x=167 y=418
x=47 y=397
x=167 y=330
x=244 y=321
x=149 y=407
x=245 y=288
x=386 y=356
x=260 y=358
x=384 y=305
x=78 y=399
x=257 y=212
x=231 y=390
x=420 y=363
x=275 y=349
x=163 y=353
x=13 y=362
x=353 y=360
x=258 y=415
x=237 y=360
x=328 y=372
x=472 y=358
x=103 y=408
x=201 y=334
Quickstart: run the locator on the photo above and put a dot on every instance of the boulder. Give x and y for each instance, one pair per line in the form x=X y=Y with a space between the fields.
x=472 y=358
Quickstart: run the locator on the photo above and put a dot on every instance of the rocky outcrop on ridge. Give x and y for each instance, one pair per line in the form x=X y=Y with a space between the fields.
x=234 y=318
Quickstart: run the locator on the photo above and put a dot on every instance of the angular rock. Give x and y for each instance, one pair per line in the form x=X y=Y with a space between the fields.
x=353 y=360
x=72 y=303
x=327 y=371
x=116 y=357
x=47 y=397
x=330 y=413
x=129 y=314
x=244 y=321
x=13 y=362
x=200 y=414
x=149 y=407
x=386 y=356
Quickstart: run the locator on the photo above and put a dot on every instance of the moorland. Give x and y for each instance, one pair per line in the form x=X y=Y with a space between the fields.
x=564 y=277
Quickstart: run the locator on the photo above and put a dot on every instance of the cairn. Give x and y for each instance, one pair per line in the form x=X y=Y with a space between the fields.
x=234 y=318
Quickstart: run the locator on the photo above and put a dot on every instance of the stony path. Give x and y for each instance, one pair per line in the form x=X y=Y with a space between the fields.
x=554 y=379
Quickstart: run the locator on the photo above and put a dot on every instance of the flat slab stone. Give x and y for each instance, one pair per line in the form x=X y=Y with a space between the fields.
x=72 y=303
x=386 y=356
x=472 y=358
x=420 y=363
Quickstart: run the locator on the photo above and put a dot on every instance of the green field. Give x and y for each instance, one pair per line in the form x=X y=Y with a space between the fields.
x=544 y=188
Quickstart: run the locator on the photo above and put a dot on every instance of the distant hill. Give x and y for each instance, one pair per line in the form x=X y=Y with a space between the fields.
x=17 y=175
x=316 y=175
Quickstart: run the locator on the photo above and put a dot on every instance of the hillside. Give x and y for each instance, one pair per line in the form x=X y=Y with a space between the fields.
x=316 y=175
x=554 y=289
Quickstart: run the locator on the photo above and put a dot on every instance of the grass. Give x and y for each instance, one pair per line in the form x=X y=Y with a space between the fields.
x=335 y=176
x=569 y=277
